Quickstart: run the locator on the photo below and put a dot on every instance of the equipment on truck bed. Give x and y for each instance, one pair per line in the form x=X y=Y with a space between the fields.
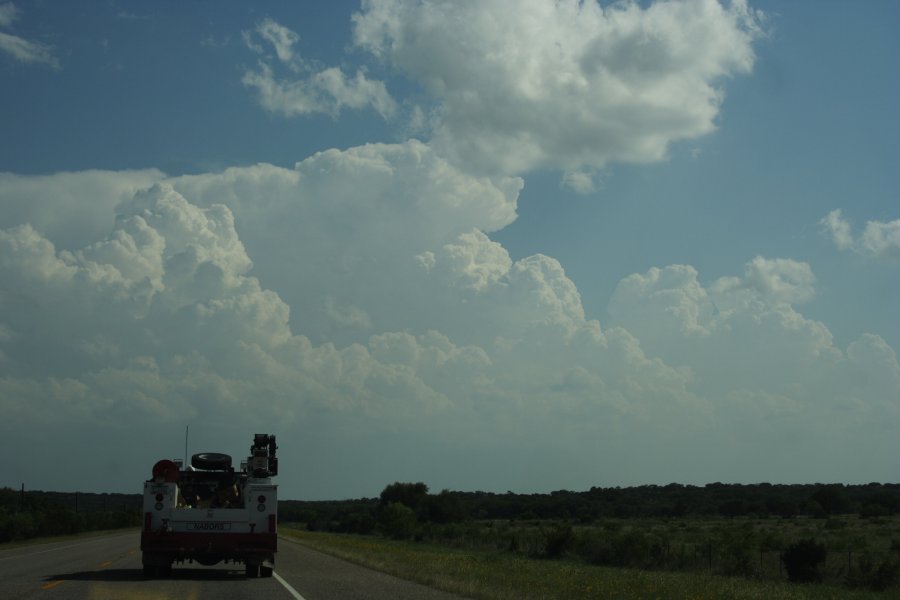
x=210 y=513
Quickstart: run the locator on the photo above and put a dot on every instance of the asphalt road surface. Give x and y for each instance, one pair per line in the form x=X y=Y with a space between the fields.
x=109 y=568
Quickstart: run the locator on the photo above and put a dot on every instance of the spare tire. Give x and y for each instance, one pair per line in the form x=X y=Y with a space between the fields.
x=211 y=461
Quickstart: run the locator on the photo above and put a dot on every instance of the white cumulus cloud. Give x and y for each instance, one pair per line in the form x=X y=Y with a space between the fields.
x=27 y=52
x=882 y=240
x=281 y=38
x=19 y=48
x=879 y=240
x=568 y=85
x=309 y=88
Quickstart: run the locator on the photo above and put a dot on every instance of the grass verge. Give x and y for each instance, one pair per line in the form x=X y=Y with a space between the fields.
x=494 y=575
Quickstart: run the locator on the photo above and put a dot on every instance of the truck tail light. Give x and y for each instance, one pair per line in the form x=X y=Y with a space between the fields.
x=148 y=521
x=272 y=522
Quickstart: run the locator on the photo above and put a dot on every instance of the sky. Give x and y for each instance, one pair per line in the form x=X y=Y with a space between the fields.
x=502 y=246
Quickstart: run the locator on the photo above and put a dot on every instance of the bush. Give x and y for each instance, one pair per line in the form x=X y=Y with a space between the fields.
x=397 y=521
x=558 y=541
x=802 y=559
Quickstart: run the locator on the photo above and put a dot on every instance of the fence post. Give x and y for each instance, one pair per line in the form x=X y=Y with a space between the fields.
x=709 y=556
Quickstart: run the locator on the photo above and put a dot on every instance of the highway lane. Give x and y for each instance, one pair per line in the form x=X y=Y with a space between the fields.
x=109 y=568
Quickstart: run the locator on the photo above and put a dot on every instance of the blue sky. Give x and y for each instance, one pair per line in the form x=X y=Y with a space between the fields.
x=495 y=246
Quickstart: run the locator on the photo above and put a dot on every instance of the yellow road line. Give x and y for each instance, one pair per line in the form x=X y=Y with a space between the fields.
x=52 y=584
x=105 y=564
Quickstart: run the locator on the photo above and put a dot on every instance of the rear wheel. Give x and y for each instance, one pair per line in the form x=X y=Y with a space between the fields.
x=252 y=571
x=266 y=571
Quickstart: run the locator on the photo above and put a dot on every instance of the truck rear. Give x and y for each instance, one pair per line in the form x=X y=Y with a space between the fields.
x=209 y=512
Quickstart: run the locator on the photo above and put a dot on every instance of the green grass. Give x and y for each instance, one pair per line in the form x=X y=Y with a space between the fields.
x=497 y=575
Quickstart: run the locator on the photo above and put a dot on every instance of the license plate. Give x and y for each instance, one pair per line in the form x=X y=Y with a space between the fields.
x=208 y=526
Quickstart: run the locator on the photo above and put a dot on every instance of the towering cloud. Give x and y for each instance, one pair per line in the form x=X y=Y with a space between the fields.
x=358 y=299
x=360 y=294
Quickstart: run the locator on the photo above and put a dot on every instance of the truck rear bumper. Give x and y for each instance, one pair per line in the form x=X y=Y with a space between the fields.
x=208 y=547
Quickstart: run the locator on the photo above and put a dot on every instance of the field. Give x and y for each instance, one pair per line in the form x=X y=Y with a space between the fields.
x=634 y=558
x=499 y=575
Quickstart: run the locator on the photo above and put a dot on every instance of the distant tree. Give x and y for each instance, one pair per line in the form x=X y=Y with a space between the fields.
x=890 y=501
x=781 y=506
x=412 y=495
x=443 y=508
x=832 y=499
x=732 y=508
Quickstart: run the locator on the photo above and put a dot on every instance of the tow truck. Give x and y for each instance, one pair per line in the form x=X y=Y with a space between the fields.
x=209 y=512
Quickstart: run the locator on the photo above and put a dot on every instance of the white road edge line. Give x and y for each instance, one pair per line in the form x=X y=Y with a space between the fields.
x=288 y=587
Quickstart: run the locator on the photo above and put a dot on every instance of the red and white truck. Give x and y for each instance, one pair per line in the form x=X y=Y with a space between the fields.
x=209 y=512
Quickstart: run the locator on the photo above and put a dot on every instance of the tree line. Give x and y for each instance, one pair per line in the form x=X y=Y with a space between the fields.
x=694 y=527
x=401 y=506
x=673 y=500
x=29 y=514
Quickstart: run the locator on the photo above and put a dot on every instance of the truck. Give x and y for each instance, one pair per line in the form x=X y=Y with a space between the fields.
x=208 y=512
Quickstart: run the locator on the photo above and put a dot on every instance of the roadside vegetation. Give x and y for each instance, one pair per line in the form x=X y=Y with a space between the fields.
x=33 y=514
x=498 y=575
x=849 y=549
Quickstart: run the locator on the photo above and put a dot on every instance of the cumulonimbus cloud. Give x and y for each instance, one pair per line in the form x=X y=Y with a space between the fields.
x=361 y=293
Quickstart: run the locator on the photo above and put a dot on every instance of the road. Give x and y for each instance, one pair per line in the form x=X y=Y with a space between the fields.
x=109 y=568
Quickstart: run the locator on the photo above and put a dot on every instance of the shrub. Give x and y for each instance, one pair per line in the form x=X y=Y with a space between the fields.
x=397 y=521
x=737 y=558
x=558 y=541
x=802 y=559
x=625 y=549
x=877 y=576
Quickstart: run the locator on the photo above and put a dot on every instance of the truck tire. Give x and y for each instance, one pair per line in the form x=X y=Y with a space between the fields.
x=211 y=461
x=252 y=571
